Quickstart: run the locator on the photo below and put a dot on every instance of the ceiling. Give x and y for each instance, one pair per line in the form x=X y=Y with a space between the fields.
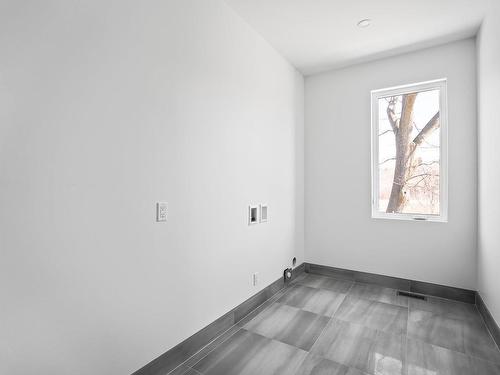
x=318 y=35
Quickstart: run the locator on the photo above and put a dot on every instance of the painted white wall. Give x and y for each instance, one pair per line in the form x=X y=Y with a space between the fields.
x=105 y=108
x=339 y=231
x=489 y=162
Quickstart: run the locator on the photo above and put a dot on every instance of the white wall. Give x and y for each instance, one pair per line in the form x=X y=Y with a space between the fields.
x=489 y=162
x=105 y=108
x=339 y=231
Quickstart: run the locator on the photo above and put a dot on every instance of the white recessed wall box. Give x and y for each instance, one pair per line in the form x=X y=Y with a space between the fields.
x=264 y=212
x=161 y=211
x=253 y=216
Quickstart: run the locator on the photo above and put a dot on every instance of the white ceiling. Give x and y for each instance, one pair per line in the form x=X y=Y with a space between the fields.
x=317 y=35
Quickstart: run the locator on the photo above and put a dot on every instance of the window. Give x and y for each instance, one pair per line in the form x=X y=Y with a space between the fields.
x=409 y=152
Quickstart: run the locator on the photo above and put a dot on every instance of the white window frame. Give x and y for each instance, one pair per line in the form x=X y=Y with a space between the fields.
x=441 y=85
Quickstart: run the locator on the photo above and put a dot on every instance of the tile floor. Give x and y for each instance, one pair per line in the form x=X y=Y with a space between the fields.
x=324 y=326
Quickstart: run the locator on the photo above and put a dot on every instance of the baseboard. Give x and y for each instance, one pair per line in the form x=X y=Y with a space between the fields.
x=488 y=319
x=407 y=285
x=183 y=351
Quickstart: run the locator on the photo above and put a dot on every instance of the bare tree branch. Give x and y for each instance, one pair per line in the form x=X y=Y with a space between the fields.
x=427 y=164
x=422 y=174
x=414 y=186
x=432 y=125
x=391 y=114
x=387 y=131
x=386 y=160
x=425 y=141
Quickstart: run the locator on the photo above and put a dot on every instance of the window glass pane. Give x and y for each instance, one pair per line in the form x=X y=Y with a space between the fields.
x=409 y=153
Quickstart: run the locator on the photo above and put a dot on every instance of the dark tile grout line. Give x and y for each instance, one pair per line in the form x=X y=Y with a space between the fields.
x=329 y=320
x=404 y=336
x=346 y=294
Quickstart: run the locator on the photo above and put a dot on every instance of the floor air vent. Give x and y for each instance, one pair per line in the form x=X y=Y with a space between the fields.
x=412 y=295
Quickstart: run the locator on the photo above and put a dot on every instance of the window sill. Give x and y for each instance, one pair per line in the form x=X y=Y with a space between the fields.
x=410 y=217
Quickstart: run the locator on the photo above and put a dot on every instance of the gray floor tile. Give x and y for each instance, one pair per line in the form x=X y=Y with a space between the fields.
x=319 y=301
x=366 y=349
x=436 y=329
x=465 y=336
x=289 y=325
x=481 y=367
x=247 y=353
x=314 y=365
x=373 y=314
x=324 y=282
x=353 y=371
x=450 y=309
x=427 y=359
x=378 y=293
x=211 y=346
x=262 y=307
x=478 y=342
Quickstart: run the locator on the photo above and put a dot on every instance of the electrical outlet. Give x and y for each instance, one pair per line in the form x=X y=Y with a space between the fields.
x=255 y=279
x=161 y=212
